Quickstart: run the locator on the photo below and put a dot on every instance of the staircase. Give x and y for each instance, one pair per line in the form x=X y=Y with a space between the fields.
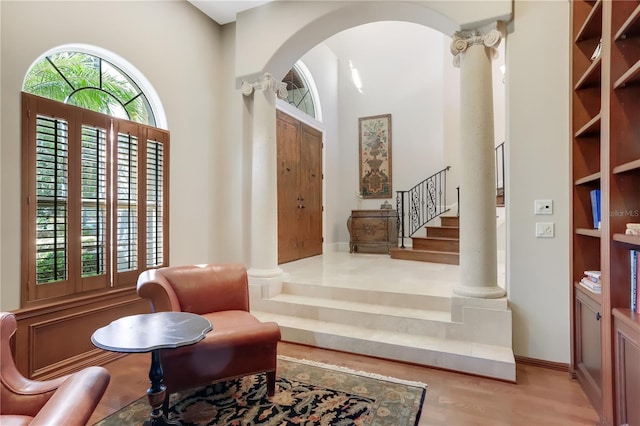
x=441 y=245
x=427 y=326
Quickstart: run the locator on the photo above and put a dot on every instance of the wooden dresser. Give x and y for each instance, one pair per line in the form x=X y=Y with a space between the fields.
x=373 y=231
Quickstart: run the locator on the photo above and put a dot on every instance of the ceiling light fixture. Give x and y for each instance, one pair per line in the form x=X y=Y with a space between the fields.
x=355 y=76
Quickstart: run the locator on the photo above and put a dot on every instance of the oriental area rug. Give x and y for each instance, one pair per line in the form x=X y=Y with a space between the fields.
x=307 y=393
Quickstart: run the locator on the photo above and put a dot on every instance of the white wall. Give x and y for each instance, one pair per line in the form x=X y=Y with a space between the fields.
x=401 y=67
x=178 y=49
x=538 y=167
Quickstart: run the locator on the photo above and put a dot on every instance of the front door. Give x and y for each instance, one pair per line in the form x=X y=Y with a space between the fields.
x=299 y=189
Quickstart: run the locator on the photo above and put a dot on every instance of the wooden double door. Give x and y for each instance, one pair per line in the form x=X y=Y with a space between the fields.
x=299 y=189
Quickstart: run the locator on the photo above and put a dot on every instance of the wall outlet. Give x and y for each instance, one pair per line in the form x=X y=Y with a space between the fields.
x=543 y=207
x=544 y=230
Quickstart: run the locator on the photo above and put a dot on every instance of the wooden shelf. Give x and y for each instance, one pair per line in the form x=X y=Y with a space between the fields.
x=633 y=240
x=588 y=179
x=628 y=317
x=588 y=232
x=591 y=77
x=631 y=76
x=592 y=26
x=630 y=27
x=591 y=128
x=596 y=297
x=605 y=109
x=627 y=167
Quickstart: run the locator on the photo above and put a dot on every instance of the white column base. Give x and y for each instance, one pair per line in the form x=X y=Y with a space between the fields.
x=484 y=292
x=264 y=287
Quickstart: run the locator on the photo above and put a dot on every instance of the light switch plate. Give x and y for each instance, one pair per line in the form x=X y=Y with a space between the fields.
x=545 y=230
x=543 y=207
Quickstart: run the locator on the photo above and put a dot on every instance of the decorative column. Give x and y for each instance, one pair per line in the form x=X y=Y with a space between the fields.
x=264 y=188
x=473 y=52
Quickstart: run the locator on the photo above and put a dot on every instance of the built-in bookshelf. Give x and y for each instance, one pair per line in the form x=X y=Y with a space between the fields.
x=605 y=156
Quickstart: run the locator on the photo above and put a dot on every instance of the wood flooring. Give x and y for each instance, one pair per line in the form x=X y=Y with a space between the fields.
x=540 y=397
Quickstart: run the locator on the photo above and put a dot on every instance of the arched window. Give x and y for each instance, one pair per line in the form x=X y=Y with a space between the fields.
x=299 y=91
x=96 y=190
x=90 y=82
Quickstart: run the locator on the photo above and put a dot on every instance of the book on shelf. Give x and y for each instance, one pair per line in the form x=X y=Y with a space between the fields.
x=635 y=267
x=591 y=286
x=595 y=207
x=593 y=275
x=633 y=229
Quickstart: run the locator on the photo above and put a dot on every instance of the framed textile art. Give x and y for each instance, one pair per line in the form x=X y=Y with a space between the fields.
x=375 y=156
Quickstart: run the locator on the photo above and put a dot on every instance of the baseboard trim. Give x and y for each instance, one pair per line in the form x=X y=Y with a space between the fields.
x=551 y=365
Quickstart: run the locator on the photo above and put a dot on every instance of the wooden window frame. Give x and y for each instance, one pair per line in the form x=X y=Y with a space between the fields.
x=75 y=284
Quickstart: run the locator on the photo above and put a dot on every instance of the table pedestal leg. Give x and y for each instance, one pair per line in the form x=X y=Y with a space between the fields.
x=156 y=393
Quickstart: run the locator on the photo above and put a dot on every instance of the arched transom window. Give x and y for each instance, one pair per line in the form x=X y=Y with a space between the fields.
x=299 y=92
x=89 y=82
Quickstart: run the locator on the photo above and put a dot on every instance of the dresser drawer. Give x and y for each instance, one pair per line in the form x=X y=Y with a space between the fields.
x=370 y=229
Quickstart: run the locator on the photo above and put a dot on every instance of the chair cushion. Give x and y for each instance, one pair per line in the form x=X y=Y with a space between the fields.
x=239 y=344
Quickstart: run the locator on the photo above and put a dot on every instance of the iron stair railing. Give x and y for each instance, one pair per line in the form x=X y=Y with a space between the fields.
x=422 y=203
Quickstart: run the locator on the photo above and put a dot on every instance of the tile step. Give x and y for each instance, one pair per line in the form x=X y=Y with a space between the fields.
x=379 y=316
x=376 y=297
x=474 y=358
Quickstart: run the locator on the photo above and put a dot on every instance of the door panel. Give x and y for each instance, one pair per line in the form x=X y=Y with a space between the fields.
x=299 y=189
x=288 y=192
x=311 y=184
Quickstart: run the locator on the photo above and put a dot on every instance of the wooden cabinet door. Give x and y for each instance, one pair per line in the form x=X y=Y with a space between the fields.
x=299 y=189
x=589 y=347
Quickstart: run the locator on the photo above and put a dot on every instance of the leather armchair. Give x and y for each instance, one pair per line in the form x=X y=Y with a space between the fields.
x=68 y=400
x=239 y=343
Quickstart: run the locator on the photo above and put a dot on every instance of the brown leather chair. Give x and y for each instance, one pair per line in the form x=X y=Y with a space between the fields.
x=239 y=343
x=68 y=400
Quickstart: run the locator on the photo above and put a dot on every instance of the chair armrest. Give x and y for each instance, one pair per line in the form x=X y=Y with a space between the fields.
x=26 y=396
x=76 y=399
x=155 y=287
x=257 y=334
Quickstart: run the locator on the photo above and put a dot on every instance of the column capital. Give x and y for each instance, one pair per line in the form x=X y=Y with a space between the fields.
x=488 y=35
x=267 y=82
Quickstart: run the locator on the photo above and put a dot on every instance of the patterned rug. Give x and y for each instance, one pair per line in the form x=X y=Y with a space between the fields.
x=307 y=393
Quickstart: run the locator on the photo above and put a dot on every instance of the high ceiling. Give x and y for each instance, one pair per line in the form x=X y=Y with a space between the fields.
x=224 y=12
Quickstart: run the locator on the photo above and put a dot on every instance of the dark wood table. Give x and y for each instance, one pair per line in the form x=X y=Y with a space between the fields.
x=152 y=333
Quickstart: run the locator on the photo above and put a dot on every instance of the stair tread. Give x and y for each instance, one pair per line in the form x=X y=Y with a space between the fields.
x=436 y=238
x=459 y=347
x=396 y=311
x=426 y=251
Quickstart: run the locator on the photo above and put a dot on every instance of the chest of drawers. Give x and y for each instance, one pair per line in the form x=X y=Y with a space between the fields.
x=372 y=231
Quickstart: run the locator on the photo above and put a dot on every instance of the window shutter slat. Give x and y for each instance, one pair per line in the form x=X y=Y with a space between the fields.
x=127 y=199
x=155 y=203
x=52 y=175
x=94 y=200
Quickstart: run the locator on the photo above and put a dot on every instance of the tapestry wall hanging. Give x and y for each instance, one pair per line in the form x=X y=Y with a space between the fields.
x=375 y=156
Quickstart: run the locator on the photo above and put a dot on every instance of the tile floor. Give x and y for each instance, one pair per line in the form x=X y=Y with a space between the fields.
x=377 y=271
